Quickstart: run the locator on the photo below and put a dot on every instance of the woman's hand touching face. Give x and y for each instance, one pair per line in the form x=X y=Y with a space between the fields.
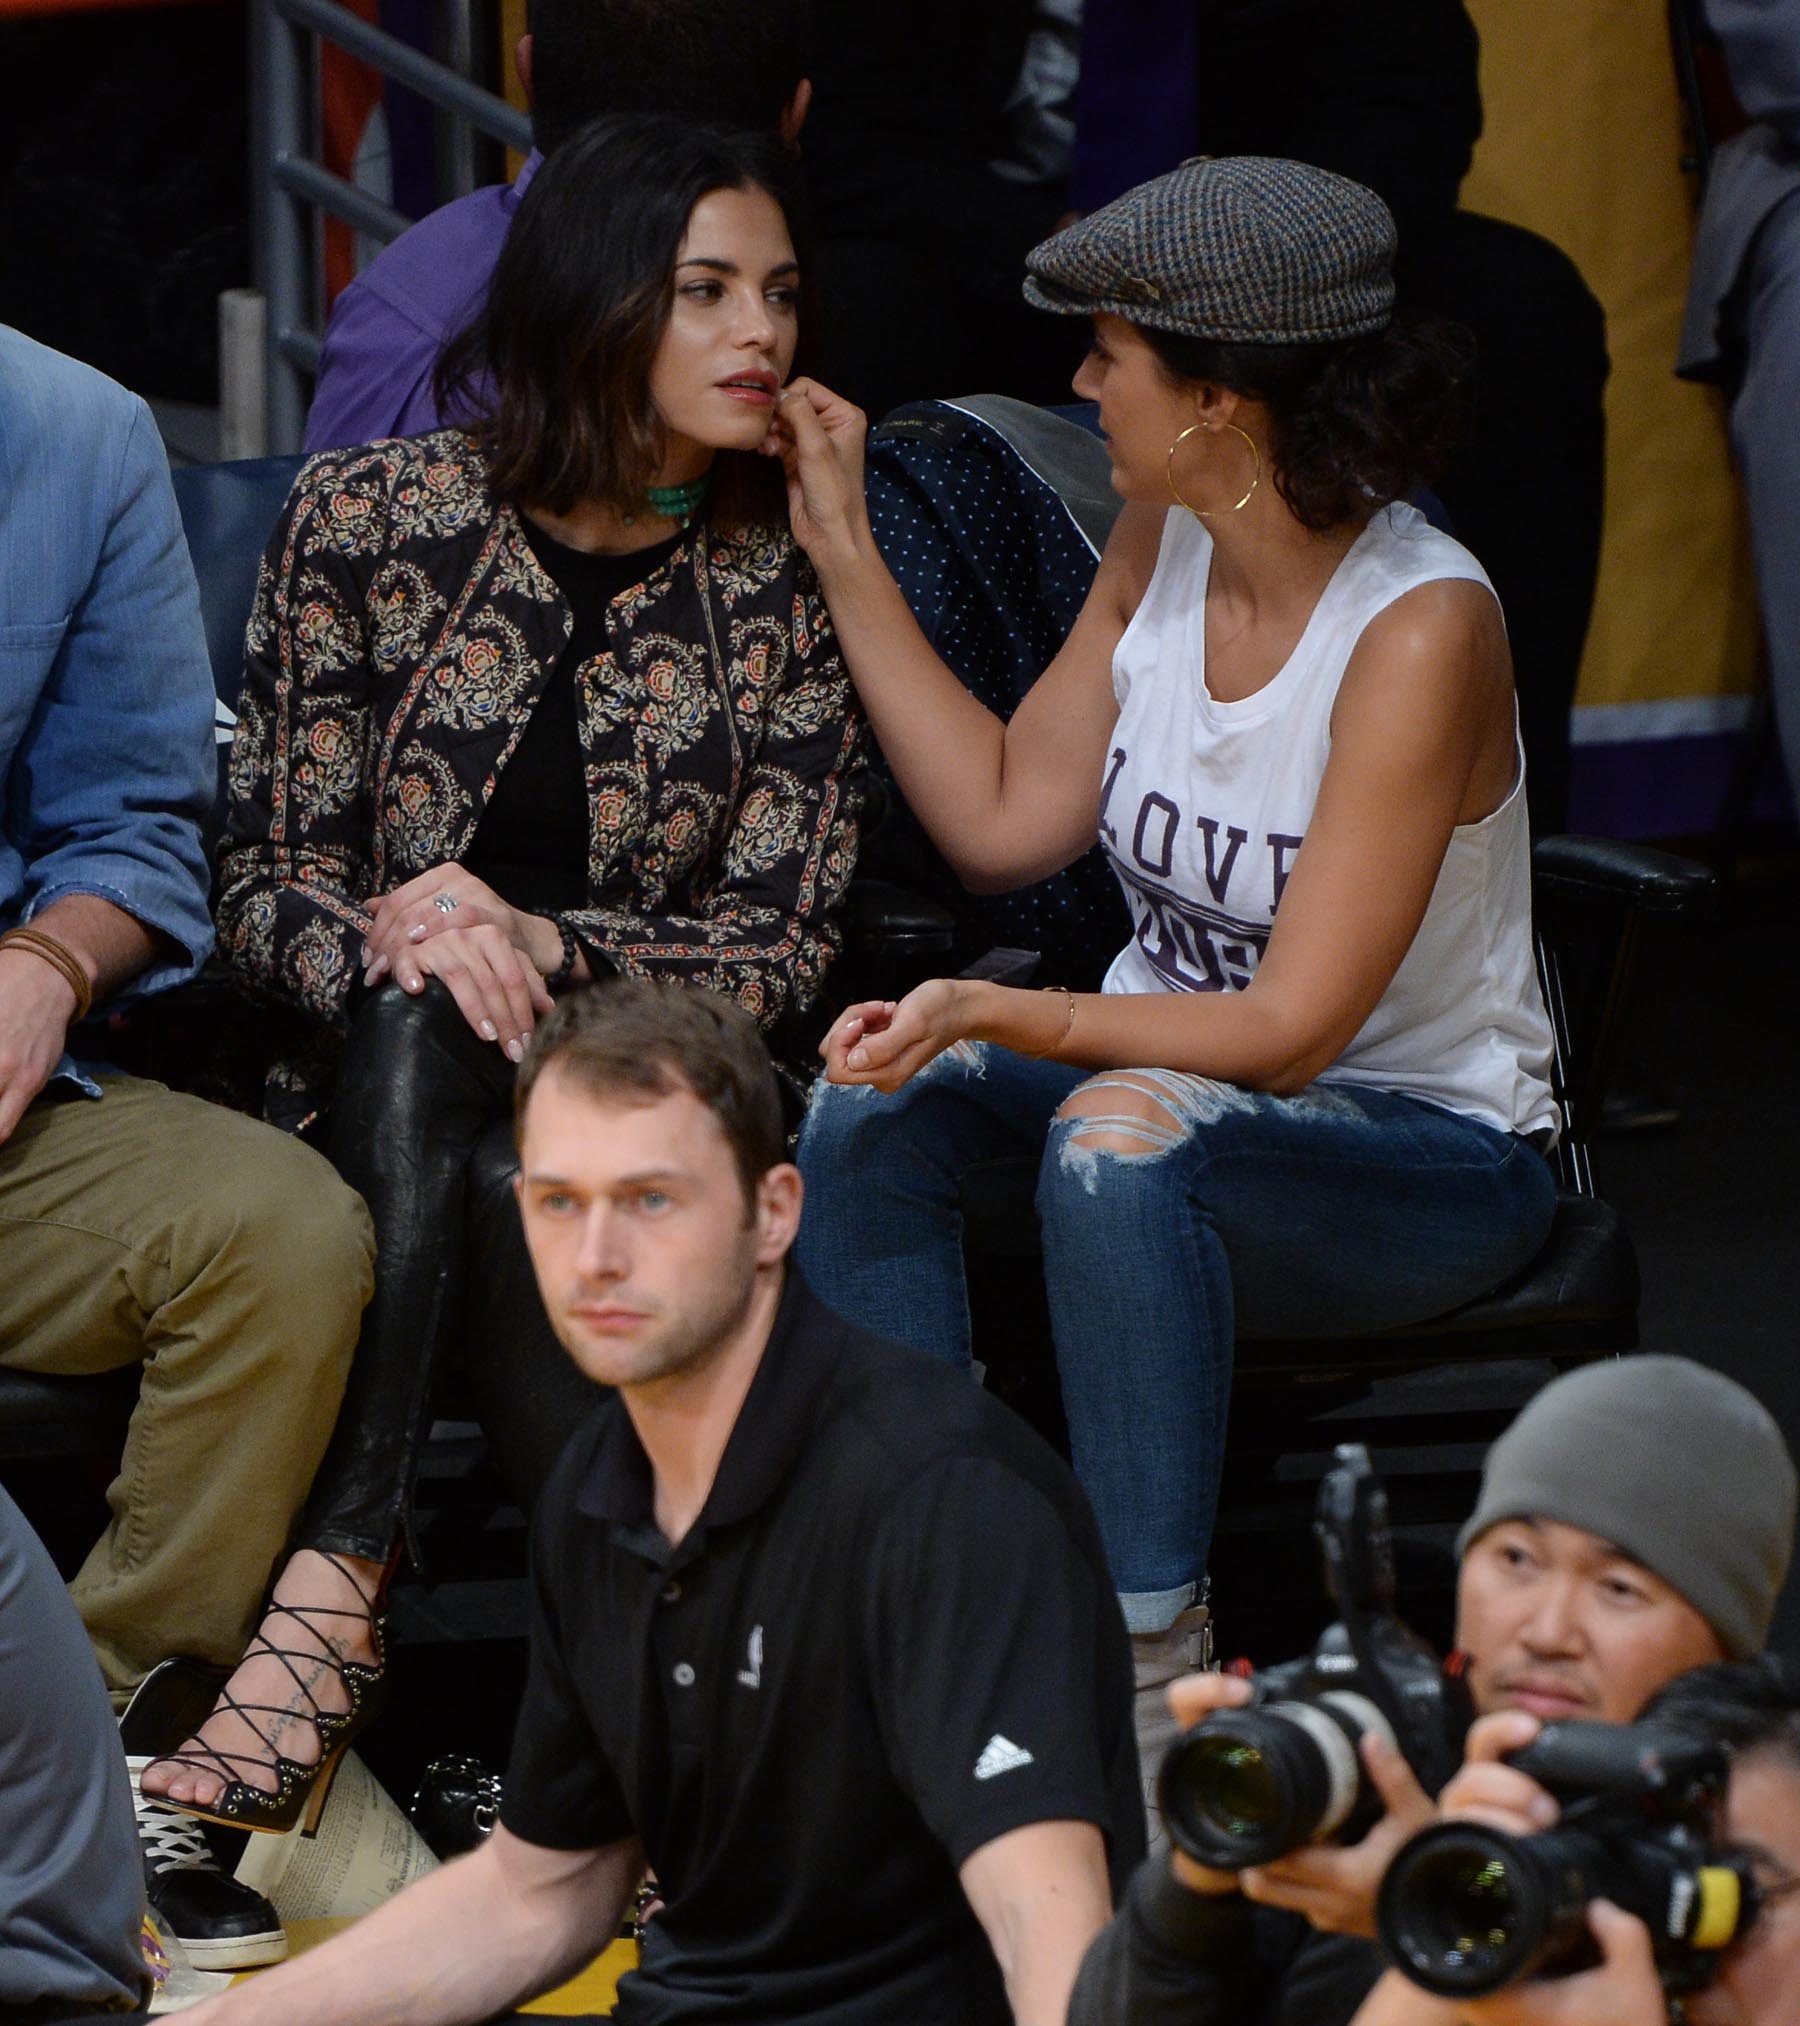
x=719 y=381
x=819 y=439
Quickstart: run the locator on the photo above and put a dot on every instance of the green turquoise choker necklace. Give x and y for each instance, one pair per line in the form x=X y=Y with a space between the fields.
x=676 y=502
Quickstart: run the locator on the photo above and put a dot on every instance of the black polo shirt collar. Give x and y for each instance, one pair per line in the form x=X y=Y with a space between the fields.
x=772 y=1426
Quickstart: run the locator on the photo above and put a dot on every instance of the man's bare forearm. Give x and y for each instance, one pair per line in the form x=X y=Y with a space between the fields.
x=1050 y=1940
x=75 y=941
x=111 y=946
x=1042 y=1895
x=483 y=1933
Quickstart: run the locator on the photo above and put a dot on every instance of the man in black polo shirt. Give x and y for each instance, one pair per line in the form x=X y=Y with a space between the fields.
x=819 y=1630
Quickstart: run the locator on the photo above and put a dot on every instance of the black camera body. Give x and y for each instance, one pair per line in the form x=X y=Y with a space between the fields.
x=1466 y=1910
x=1248 y=1785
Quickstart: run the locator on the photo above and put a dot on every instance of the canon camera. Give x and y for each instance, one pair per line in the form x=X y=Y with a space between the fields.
x=1247 y=1785
x=1465 y=1910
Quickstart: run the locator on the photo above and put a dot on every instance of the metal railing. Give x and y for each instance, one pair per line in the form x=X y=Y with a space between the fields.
x=290 y=186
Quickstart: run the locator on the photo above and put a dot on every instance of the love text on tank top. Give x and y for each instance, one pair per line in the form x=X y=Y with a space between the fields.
x=1193 y=942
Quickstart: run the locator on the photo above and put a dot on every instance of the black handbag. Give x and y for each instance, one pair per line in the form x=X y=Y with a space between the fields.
x=457 y=1805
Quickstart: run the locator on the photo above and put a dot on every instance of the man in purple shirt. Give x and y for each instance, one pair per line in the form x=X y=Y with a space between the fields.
x=708 y=59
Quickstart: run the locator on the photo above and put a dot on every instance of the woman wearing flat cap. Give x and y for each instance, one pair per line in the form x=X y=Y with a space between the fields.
x=1313 y=1093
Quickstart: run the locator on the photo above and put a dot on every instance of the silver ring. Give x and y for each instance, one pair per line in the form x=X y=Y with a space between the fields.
x=445 y=903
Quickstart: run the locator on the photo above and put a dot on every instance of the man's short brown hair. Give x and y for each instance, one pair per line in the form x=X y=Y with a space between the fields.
x=626 y=1035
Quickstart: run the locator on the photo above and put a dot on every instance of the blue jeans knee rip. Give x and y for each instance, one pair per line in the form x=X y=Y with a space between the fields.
x=1188 y=1101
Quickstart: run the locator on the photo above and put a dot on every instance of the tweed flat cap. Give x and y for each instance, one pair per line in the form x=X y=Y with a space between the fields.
x=1242 y=248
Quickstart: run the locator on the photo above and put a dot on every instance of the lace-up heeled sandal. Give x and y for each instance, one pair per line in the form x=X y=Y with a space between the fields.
x=300 y=1790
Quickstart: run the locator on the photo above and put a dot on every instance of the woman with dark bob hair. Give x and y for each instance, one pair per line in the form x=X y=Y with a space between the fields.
x=544 y=697
x=1313 y=1094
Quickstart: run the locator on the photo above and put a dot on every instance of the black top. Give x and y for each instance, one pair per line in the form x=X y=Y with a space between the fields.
x=531 y=845
x=1174 y=1958
x=1386 y=93
x=889 y=1638
x=904 y=92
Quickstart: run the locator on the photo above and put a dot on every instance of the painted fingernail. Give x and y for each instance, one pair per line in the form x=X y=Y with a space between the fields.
x=516 y=1049
x=416 y=934
x=366 y=957
x=489 y=1031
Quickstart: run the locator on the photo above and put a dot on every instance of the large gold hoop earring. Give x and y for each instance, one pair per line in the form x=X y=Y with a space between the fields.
x=1214 y=513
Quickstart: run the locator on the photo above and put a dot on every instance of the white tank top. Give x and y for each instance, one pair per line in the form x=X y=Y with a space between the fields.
x=1206 y=804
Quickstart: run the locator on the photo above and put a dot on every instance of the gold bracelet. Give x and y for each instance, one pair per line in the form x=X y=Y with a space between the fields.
x=1043 y=1054
x=60 y=958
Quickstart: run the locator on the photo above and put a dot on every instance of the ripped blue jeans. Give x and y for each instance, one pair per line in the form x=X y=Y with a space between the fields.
x=1177 y=1214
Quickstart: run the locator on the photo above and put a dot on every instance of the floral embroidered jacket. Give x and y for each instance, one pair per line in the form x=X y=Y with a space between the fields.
x=403 y=630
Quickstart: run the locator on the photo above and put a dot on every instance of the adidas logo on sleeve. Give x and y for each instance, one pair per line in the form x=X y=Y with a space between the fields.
x=1000 y=1755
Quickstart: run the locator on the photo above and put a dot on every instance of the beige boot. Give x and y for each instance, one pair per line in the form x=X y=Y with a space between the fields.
x=1159 y=1658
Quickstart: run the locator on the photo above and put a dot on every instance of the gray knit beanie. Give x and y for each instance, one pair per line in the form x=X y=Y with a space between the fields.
x=1673 y=1463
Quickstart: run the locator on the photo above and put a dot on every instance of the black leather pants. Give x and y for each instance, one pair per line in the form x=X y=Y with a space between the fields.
x=421 y=1127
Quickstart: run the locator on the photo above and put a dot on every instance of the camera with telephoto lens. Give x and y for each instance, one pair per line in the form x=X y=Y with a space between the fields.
x=1466 y=1910
x=1248 y=1785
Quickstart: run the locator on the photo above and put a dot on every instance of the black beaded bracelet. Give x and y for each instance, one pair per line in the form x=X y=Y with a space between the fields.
x=570 y=952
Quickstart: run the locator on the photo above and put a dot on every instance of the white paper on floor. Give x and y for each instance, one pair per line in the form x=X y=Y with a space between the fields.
x=365 y=1850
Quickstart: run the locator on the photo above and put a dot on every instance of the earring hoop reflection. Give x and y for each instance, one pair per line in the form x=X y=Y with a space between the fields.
x=1214 y=513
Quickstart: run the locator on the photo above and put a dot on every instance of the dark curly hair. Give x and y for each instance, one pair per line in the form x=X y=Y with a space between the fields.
x=1356 y=422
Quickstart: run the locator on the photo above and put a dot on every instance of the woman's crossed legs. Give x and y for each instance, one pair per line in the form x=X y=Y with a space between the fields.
x=419 y=1128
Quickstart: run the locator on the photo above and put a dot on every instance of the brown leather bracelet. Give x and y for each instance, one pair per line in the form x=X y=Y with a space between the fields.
x=60 y=957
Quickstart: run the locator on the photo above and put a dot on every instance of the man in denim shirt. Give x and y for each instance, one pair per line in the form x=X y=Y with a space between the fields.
x=137 y=1225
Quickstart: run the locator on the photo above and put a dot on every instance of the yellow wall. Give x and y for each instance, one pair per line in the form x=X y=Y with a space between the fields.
x=1583 y=144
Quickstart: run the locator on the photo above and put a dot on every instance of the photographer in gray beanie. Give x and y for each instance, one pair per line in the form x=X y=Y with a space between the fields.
x=1673 y=1463
x=1636 y=1521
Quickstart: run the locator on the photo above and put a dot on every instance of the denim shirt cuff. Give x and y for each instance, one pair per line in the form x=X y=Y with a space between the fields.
x=69 y=1071
x=166 y=907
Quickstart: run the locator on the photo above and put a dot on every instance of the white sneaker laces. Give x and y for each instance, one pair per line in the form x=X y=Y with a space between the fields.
x=172 y=1841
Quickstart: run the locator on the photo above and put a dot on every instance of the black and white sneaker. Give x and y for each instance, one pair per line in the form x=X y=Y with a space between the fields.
x=222 y=1924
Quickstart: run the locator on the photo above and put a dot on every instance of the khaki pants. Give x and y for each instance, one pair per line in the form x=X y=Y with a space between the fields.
x=234 y=1265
